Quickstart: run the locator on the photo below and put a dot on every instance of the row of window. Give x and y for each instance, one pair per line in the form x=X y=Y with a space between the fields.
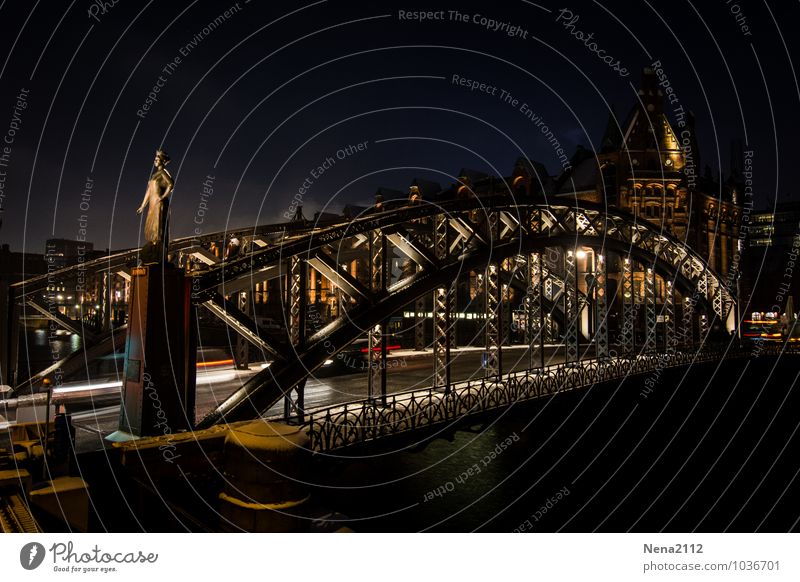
x=653 y=211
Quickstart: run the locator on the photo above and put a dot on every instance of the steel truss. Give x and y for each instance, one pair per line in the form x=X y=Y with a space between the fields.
x=571 y=308
x=442 y=305
x=650 y=310
x=601 y=308
x=627 y=337
x=294 y=399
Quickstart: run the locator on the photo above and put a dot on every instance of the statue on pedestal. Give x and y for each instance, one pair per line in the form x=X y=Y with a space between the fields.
x=156 y=200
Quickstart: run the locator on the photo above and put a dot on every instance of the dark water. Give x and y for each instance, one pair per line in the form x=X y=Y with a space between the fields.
x=710 y=450
x=37 y=351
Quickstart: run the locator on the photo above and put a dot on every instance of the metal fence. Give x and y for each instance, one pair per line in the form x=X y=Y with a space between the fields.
x=358 y=422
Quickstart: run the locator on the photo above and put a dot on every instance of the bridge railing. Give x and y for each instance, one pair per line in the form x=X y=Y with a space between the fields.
x=366 y=420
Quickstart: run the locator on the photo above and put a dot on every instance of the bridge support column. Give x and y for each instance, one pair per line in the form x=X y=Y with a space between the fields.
x=671 y=339
x=377 y=335
x=703 y=287
x=493 y=358
x=534 y=328
x=508 y=314
x=627 y=335
x=241 y=350
x=419 y=323
x=688 y=323
x=549 y=326
x=441 y=343
x=443 y=300
x=294 y=401
x=453 y=309
x=571 y=313
x=601 y=308
x=650 y=310
x=703 y=327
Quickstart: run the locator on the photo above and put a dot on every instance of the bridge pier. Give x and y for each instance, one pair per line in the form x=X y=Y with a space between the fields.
x=158 y=388
x=264 y=465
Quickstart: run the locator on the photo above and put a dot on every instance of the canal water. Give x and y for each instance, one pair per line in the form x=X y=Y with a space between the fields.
x=710 y=449
x=37 y=351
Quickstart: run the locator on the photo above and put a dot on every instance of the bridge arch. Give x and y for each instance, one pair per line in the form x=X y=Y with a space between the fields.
x=502 y=229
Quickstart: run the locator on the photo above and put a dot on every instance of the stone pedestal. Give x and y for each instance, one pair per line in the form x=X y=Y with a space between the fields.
x=264 y=466
x=159 y=381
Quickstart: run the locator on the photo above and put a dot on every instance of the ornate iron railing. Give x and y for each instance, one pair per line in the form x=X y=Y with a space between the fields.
x=358 y=422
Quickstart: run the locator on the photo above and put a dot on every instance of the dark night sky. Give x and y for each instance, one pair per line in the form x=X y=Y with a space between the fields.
x=276 y=88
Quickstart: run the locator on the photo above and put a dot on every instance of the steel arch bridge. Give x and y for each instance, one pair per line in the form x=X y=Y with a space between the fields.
x=491 y=236
x=594 y=269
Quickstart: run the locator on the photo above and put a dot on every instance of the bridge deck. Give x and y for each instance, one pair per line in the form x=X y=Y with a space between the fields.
x=354 y=423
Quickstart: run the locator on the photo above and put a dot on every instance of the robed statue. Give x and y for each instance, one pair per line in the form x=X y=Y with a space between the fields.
x=156 y=200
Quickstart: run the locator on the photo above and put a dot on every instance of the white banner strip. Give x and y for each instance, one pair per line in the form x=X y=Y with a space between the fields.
x=406 y=557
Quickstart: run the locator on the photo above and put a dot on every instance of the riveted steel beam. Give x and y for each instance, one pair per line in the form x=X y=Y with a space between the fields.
x=571 y=313
x=650 y=310
x=627 y=332
x=601 y=308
